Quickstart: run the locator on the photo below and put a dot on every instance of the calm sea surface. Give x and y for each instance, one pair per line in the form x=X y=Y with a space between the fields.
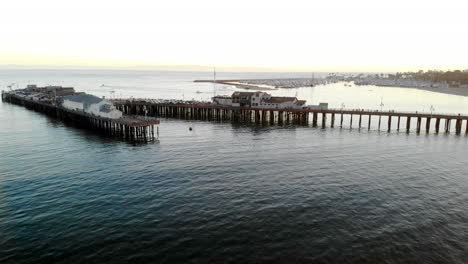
x=226 y=192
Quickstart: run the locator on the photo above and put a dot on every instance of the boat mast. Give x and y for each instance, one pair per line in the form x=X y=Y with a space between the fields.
x=214 y=81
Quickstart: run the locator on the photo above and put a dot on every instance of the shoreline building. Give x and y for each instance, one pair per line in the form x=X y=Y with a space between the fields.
x=92 y=105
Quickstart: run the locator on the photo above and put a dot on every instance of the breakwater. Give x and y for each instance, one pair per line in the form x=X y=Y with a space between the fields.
x=131 y=128
x=328 y=117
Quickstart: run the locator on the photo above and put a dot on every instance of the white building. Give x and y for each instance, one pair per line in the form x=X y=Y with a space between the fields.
x=257 y=98
x=92 y=105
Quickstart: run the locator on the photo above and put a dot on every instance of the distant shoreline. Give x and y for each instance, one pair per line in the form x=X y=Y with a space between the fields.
x=239 y=84
x=450 y=90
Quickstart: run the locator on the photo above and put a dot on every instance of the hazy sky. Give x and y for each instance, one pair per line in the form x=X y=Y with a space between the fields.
x=331 y=35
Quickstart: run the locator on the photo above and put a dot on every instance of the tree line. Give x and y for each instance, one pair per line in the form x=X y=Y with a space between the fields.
x=434 y=75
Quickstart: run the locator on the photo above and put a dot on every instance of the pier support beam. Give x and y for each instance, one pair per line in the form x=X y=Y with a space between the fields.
x=389 y=123
x=332 y=120
x=418 y=126
x=428 y=124
x=368 y=125
x=458 y=126
x=314 y=119
x=408 y=124
x=380 y=121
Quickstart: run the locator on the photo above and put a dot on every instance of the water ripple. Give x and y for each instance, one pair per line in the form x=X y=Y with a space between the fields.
x=231 y=194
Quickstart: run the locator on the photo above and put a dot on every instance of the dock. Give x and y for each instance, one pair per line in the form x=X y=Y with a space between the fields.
x=132 y=128
x=328 y=117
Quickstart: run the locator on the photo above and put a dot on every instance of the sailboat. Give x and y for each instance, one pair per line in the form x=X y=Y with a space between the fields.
x=214 y=82
x=313 y=81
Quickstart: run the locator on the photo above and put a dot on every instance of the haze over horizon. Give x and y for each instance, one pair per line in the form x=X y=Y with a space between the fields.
x=357 y=36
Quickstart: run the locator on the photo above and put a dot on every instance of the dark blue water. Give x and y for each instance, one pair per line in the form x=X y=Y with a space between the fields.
x=229 y=193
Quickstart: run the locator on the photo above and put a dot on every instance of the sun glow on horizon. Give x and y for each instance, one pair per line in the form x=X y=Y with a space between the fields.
x=297 y=35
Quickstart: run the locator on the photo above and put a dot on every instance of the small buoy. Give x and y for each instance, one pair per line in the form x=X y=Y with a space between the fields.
x=190 y=129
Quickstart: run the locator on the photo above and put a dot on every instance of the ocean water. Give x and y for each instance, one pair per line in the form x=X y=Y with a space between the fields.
x=226 y=192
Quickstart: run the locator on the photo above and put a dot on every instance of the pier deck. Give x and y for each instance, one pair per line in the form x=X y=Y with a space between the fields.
x=329 y=117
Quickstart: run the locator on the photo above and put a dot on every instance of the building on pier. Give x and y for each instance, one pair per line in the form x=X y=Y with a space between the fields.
x=277 y=102
x=259 y=100
x=92 y=105
x=242 y=99
x=51 y=90
x=320 y=106
x=222 y=100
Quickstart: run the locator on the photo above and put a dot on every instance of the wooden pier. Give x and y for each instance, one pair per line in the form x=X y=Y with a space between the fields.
x=329 y=117
x=132 y=128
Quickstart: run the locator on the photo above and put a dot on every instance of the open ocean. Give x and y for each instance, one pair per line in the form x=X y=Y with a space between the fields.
x=227 y=192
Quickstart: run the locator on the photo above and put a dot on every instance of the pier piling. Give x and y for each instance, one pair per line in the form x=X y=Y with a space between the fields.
x=408 y=124
x=389 y=123
x=289 y=116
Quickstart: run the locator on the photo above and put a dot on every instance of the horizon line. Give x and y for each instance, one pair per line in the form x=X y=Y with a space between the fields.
x=195 y=68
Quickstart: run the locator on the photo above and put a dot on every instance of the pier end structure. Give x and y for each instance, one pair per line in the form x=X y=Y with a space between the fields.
x=132 y=128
